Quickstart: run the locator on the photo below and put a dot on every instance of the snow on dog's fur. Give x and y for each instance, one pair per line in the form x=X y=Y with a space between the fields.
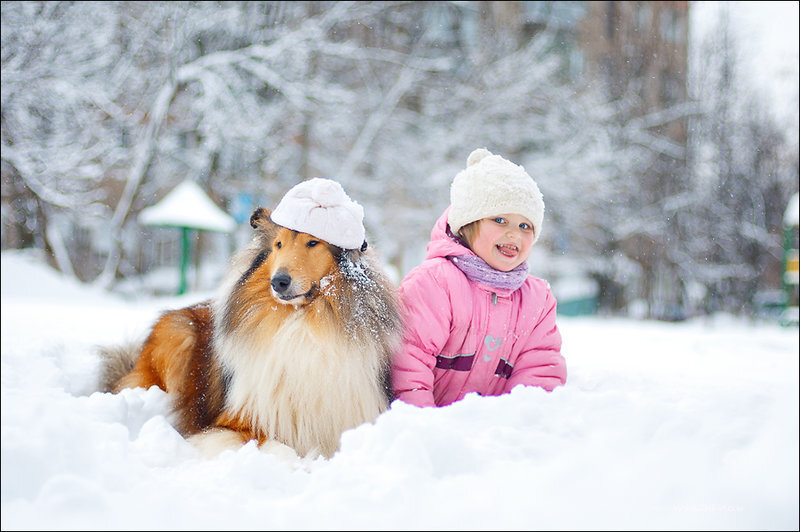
x=295 y=349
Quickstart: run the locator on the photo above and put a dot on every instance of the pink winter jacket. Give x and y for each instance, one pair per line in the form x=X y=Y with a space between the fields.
x=462 y=336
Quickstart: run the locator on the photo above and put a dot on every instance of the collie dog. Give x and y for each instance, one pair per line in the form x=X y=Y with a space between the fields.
x=294 y=349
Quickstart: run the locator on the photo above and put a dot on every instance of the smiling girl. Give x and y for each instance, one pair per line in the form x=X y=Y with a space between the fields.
x=475 y=320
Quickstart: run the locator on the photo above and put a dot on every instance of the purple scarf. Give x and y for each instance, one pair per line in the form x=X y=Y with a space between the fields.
x=476 y=269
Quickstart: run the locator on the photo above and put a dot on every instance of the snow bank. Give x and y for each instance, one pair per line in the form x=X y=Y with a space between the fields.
x=669 y=426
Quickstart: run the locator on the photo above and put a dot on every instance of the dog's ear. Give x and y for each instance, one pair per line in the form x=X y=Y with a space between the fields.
x=260 y=218
x=265 y=228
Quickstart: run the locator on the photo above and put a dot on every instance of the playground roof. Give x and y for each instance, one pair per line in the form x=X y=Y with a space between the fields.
x=187 y=206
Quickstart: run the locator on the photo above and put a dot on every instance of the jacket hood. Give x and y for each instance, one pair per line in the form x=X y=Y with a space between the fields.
x=443 y=243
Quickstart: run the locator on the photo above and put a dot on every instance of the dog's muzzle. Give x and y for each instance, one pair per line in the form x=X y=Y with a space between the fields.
x=282 y=287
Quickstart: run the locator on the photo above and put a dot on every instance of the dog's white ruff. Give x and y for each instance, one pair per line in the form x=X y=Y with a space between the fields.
x=302 y=387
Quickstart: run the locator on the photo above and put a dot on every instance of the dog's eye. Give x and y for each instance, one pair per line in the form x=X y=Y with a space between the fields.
x=312 y=243
x=278 y=244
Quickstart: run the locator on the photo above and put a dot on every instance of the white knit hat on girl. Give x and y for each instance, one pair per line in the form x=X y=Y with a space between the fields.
x=321 y=208
x=491 y=185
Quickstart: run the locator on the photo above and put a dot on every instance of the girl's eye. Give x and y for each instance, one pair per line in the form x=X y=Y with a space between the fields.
x=524 y=226
x=278 y=244
x=312 y=243
x=499 y=220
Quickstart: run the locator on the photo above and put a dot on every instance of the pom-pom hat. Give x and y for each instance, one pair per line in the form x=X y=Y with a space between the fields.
x=321 y=208
x=491 y=185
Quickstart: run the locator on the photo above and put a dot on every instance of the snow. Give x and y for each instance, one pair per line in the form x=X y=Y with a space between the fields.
x=188 y=206
x=791 y=216
x=691 y=425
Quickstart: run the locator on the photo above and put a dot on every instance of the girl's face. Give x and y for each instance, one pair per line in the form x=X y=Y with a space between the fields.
x=504 y=241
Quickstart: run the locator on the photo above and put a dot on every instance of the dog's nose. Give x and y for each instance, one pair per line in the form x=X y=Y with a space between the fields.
x=280 y=282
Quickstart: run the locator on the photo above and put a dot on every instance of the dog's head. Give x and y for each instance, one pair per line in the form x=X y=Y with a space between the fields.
x=282 y=271
x=294 y=265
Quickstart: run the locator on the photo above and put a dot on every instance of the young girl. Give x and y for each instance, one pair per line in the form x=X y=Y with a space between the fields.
x=475 y=320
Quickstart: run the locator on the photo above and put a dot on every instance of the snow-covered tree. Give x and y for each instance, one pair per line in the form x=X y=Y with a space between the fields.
x=387 y=97
x=744 y=175
x=106 y=106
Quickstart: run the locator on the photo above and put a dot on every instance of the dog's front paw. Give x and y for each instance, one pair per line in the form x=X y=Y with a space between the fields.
x=211 y=442
x=282 y=451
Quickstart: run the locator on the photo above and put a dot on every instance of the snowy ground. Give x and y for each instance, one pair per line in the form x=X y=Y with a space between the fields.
x=660 y=426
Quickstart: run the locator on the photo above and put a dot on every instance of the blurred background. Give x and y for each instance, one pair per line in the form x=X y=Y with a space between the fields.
x=669 y=172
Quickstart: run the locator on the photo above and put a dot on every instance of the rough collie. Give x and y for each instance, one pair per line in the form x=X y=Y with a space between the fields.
x=294 y=349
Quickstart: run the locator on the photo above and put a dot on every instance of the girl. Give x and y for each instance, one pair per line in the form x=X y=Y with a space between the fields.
x=475 y=321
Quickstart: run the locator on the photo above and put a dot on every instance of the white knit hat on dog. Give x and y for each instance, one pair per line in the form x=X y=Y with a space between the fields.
x=321 y=208
x=491 y=185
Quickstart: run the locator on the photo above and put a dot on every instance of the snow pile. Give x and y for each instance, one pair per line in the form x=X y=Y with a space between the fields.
x=691 y=425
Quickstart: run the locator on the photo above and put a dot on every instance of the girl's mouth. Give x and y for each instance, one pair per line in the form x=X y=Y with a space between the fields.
x=507 y=250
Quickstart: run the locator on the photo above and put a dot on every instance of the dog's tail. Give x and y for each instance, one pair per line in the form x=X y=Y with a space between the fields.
x=116 y=362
